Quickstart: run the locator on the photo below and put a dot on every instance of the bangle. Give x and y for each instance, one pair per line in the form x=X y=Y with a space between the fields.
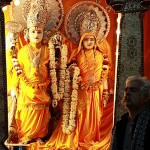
x=105 y=90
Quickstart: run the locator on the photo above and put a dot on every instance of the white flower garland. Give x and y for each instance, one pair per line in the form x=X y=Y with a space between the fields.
x=57 y=92
x=64 y=88
x=69 y=118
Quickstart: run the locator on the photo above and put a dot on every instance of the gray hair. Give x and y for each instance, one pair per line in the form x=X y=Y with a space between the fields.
x=144 y=81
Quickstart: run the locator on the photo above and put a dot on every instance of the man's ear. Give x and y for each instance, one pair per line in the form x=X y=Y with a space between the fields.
x=145 y=91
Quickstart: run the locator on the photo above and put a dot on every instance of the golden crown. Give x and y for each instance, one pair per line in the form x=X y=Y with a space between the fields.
x=90 y=23
x=36 y=18
x=37 y=15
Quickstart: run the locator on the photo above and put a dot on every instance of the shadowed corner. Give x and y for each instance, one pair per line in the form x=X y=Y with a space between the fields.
x=115 y=4
x=145 y=3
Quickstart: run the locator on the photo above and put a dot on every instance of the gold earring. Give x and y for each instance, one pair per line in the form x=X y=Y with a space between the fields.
x=26 y=34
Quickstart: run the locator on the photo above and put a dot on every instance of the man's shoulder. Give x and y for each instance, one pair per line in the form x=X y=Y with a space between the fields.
x=123 y=120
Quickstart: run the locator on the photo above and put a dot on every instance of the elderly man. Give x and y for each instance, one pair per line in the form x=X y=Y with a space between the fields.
x=132 y=132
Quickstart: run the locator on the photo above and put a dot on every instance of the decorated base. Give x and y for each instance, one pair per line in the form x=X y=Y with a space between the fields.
x=16 y=146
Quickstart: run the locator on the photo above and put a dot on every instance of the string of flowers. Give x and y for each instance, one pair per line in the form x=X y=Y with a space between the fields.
x=63 y=66
x=64 y=87
x=70 y=106
x=57 y=92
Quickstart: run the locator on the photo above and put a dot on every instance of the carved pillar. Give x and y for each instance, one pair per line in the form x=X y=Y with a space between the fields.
x=3 y=79
x=130 y=57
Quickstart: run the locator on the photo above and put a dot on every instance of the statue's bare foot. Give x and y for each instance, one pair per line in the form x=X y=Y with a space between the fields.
x=23 y=142
x=38 y=140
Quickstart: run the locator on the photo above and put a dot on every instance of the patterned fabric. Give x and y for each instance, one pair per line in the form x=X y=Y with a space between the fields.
x=140 y=130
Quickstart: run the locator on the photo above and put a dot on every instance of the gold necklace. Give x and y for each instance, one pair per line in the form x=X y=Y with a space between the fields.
x=88 y=66
x=35 y=56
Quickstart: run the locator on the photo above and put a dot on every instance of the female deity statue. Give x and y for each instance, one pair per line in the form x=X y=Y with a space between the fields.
x=94 y=65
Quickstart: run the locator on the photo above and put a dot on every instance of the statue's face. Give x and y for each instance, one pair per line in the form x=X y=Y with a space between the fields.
x=89 y=42
x=35 y=34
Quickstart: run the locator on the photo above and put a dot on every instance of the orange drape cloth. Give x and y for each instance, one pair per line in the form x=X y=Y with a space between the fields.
x=92 y=116
x=32 y=115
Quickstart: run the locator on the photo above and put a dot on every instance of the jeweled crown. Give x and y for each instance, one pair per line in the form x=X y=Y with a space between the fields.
x=90 y=23
x=37 y=15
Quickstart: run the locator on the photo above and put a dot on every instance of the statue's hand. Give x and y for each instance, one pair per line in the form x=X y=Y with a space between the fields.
x=104 y=103
x=57 y=39
x=105 y=97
